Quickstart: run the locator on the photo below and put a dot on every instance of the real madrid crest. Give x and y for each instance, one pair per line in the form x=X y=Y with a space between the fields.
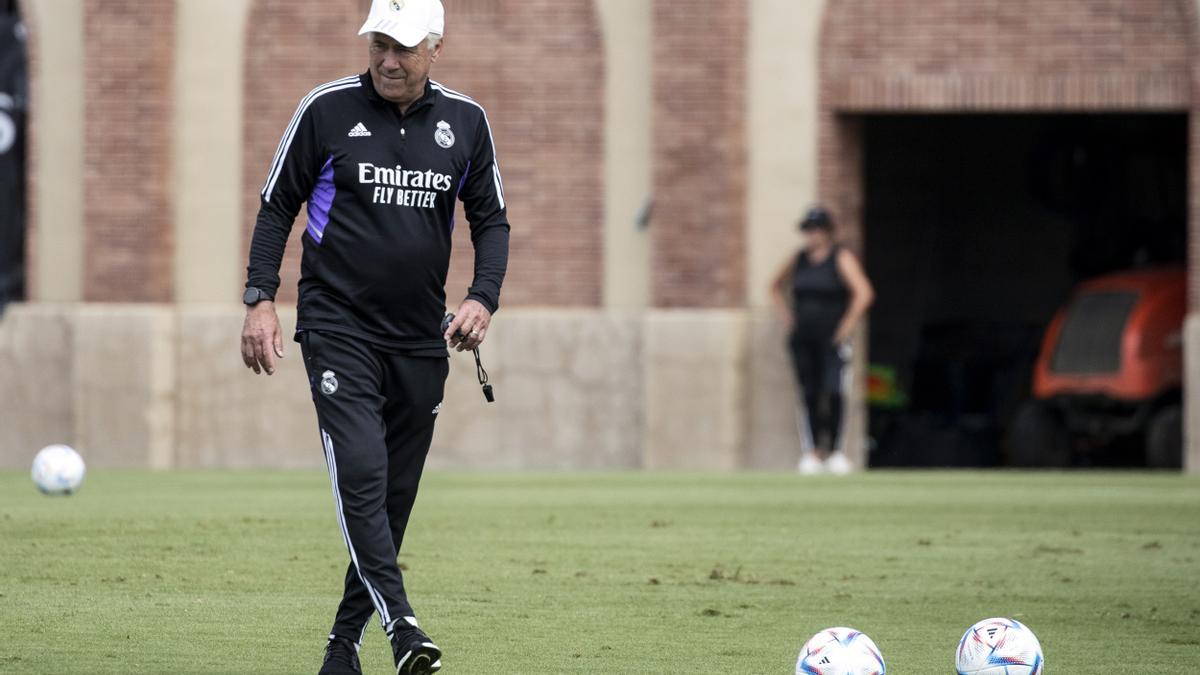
x=329 y=383
x=397 y=5
x=443 y=135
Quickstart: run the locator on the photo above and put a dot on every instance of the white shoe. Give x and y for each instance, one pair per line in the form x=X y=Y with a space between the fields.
x=838 y=464
x=810 y=465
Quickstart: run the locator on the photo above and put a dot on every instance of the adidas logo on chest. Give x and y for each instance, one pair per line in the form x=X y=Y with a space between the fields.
x=358 y=131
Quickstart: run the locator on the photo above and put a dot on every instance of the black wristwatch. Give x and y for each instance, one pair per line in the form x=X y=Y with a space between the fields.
x=253 y=296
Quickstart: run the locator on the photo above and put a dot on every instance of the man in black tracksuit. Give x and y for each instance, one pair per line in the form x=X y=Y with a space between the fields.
x=380 y=159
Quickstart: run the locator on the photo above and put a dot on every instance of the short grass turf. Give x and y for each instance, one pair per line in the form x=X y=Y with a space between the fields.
x=239 y=572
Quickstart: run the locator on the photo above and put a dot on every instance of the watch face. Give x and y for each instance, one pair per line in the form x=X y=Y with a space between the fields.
x=251 y=296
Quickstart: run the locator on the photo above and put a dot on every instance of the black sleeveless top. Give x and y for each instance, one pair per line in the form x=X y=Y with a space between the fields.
x=819 y=296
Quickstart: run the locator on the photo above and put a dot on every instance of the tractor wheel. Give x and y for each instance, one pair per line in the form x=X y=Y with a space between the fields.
x=1164 y=438
x=1038 y=438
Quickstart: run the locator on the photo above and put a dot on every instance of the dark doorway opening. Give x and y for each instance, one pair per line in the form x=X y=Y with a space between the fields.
x=976 y=228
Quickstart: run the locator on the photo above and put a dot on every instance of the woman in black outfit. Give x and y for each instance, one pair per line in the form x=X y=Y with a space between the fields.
x=822 y=292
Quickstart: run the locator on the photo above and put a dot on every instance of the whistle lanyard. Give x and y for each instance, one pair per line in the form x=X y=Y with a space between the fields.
x=483 y=378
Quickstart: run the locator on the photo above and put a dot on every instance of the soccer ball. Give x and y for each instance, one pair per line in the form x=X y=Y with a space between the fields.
x=57 y=470
x=840 y=651
x=999 y=647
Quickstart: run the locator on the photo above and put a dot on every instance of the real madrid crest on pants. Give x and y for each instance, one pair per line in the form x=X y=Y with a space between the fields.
x=443 y=135
x=329 y=383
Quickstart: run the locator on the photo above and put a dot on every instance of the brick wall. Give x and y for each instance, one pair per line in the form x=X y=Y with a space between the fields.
x=127 y=158
x=840 y=175
x=1006 y=55
x=699 y=218
x=546 y=115
x=536 y=66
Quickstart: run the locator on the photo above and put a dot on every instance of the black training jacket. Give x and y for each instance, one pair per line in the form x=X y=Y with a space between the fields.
x=381 y=189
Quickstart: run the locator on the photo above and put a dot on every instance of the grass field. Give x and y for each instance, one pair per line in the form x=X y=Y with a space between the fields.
x=239 y=572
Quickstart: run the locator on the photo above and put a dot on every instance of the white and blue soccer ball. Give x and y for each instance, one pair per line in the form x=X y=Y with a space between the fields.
x=999 y=647
x=58 y=470
x=840 y=651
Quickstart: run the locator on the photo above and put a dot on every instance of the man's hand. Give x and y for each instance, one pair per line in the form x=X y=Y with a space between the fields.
x=262 y=339
x=472 y=320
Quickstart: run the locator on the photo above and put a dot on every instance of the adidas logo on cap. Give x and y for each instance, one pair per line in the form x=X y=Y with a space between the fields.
x=358 y=130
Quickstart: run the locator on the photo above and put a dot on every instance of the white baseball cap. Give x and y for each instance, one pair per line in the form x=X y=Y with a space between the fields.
x=406 y=21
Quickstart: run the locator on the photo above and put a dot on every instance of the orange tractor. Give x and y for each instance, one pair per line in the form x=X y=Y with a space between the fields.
x=1109 y=374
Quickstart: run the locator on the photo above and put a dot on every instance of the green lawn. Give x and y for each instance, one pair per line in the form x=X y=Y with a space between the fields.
x=239 y=572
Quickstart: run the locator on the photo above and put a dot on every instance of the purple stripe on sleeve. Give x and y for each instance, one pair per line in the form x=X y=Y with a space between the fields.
x=461 y=182
x=320 y=201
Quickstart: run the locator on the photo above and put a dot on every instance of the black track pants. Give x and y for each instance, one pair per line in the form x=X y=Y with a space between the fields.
x=376 y=411
x=820 y=370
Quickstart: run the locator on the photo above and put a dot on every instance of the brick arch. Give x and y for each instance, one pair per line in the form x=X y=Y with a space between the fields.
x=990 y=56
x=535 y=65
x=1022 y=55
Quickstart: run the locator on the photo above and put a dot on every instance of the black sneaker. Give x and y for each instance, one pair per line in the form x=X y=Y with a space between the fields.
x=341 y=658
x=414 y=652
